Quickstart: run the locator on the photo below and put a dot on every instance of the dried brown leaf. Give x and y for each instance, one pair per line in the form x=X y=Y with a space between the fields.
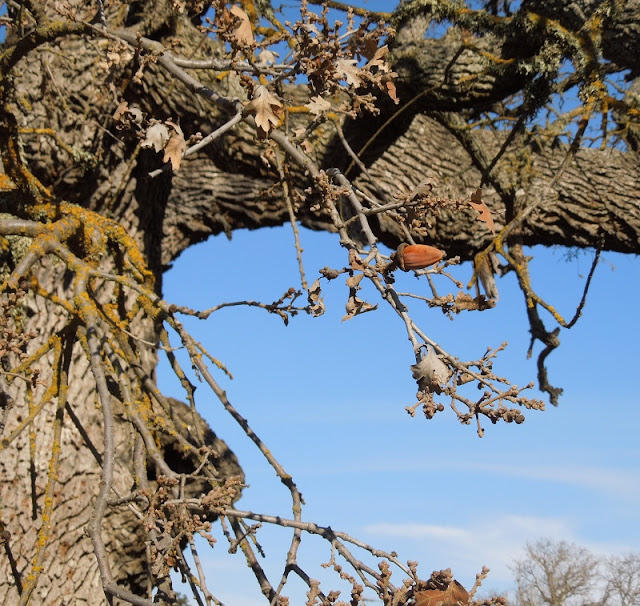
x=135 y=114
x=368 y=47
x=356 y=306
x=431 y=373
x=483 y=209
x=351 y=72
x=355 y=262
x=267 y=57
x=243 y=32
x=465 y=302
x=424 y=188
x=317 y=105
x=156 y=137
x=391 y=91
x=316 y=303
x=121 y=110
x=175 y=147
x=379 y=59
x=266 y=108
x=354 y=281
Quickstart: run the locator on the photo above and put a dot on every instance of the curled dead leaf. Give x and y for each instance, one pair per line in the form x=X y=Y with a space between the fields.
x=423 y=189
x=243 y=32
x=379 y=59
x=355 y=262
x=431 y=373
x=465 y=302
x=356 y=306
x=156 y=137
x=175 y=146
x=121 y=110
x=354 y=281
x=267 y=57
x=128 y=116
x=483 y=209
x=391 y=91
x=316 y=302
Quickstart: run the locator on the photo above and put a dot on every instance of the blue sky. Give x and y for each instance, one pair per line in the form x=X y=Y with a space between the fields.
x=328 y=398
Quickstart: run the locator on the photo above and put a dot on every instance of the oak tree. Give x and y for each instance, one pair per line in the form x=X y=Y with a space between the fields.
x=445 y=131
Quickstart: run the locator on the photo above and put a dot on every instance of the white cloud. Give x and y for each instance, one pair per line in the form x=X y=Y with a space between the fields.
x=493 y=540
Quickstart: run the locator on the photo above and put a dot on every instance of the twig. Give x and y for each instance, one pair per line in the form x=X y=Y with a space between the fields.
x=202 y=143
x=293 y=221
x=203 y=583
x=583 y=300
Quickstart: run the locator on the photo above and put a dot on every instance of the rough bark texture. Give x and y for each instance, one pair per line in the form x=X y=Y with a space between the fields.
x=226 y=186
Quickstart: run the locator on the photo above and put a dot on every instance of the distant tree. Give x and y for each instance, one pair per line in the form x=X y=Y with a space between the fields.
x=445 y=131
x=556 y=574
x=563 y=574
x=623 y=580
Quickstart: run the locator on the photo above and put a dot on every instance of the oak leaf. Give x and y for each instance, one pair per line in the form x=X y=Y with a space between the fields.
x=465 y=302
x=356 y=306
x=156 y=137
x=368 y=47
x=483 y=209
x=121 y=110
x=350 y=71
x=317 y=105
x=431 y=373
x=175 y=147
x=125 y=114
x=316 y=302
x=355 y=262
x=267 y=57
x=354 y=281
x=391 y=91
x=266 y=108
x=243 y=32
x=379 y=59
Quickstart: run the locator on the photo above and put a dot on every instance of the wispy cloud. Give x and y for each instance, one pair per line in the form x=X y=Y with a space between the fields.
x=494 y=541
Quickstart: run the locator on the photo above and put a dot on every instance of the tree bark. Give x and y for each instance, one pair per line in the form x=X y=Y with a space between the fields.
x=64 y=86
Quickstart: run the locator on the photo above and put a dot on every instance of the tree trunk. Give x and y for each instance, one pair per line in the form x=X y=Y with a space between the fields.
x=66 y=88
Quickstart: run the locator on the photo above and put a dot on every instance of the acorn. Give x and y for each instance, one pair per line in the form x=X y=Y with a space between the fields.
x=416 y=256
